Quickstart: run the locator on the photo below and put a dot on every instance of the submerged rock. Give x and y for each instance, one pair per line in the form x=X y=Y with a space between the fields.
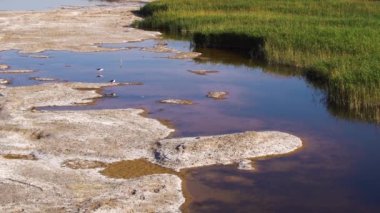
x=218 y=95
x=131 y=84
x=246 y=164
x=160 y=48
x=43 y=79
x=15 y=71
x=203 y=72
x=38 y=56
x=4 y=81
x=176 y=101
x=185 y=55
x=4 y=67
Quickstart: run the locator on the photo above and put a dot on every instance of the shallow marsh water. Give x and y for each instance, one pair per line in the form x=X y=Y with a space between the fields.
x=336 y=171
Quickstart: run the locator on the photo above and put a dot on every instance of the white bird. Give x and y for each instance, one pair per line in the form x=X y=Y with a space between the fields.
x=99 y=76
x=100 y=69
x=113 y=81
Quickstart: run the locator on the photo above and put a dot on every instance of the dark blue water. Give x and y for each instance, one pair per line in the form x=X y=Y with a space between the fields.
x=336 y=171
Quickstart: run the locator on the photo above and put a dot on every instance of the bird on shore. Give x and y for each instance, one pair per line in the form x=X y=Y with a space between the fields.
x=100 y=69
x=113 y=81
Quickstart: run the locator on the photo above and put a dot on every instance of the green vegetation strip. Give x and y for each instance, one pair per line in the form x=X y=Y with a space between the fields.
x=335 y=42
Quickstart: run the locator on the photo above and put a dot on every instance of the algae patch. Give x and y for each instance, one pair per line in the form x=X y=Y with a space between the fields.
x=134 y=168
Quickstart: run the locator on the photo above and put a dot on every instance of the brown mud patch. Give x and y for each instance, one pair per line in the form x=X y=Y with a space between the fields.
x=20 y=157
x=134 y=169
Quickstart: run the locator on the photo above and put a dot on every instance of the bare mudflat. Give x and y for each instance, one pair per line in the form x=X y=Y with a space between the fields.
x=75 y=29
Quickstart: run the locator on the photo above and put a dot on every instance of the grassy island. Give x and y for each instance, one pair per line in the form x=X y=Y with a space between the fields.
x=336 y=43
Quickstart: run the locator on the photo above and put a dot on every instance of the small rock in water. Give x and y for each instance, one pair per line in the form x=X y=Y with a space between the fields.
x=4 y=81
x=217 y=95
x=15 y=71
x=131 y=84
x=246 y=165
x=176 y=101
x=42 y=79
x=38 y=56
x=185 y=55
x=4 y=67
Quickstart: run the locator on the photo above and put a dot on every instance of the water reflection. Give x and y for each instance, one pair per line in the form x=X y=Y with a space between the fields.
x=359 y=103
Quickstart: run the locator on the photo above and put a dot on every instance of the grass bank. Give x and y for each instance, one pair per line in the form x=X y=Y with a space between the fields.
x=334 y=42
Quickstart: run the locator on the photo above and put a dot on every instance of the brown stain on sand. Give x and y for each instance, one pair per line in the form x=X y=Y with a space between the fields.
x=134 y=168
x=20 y=157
